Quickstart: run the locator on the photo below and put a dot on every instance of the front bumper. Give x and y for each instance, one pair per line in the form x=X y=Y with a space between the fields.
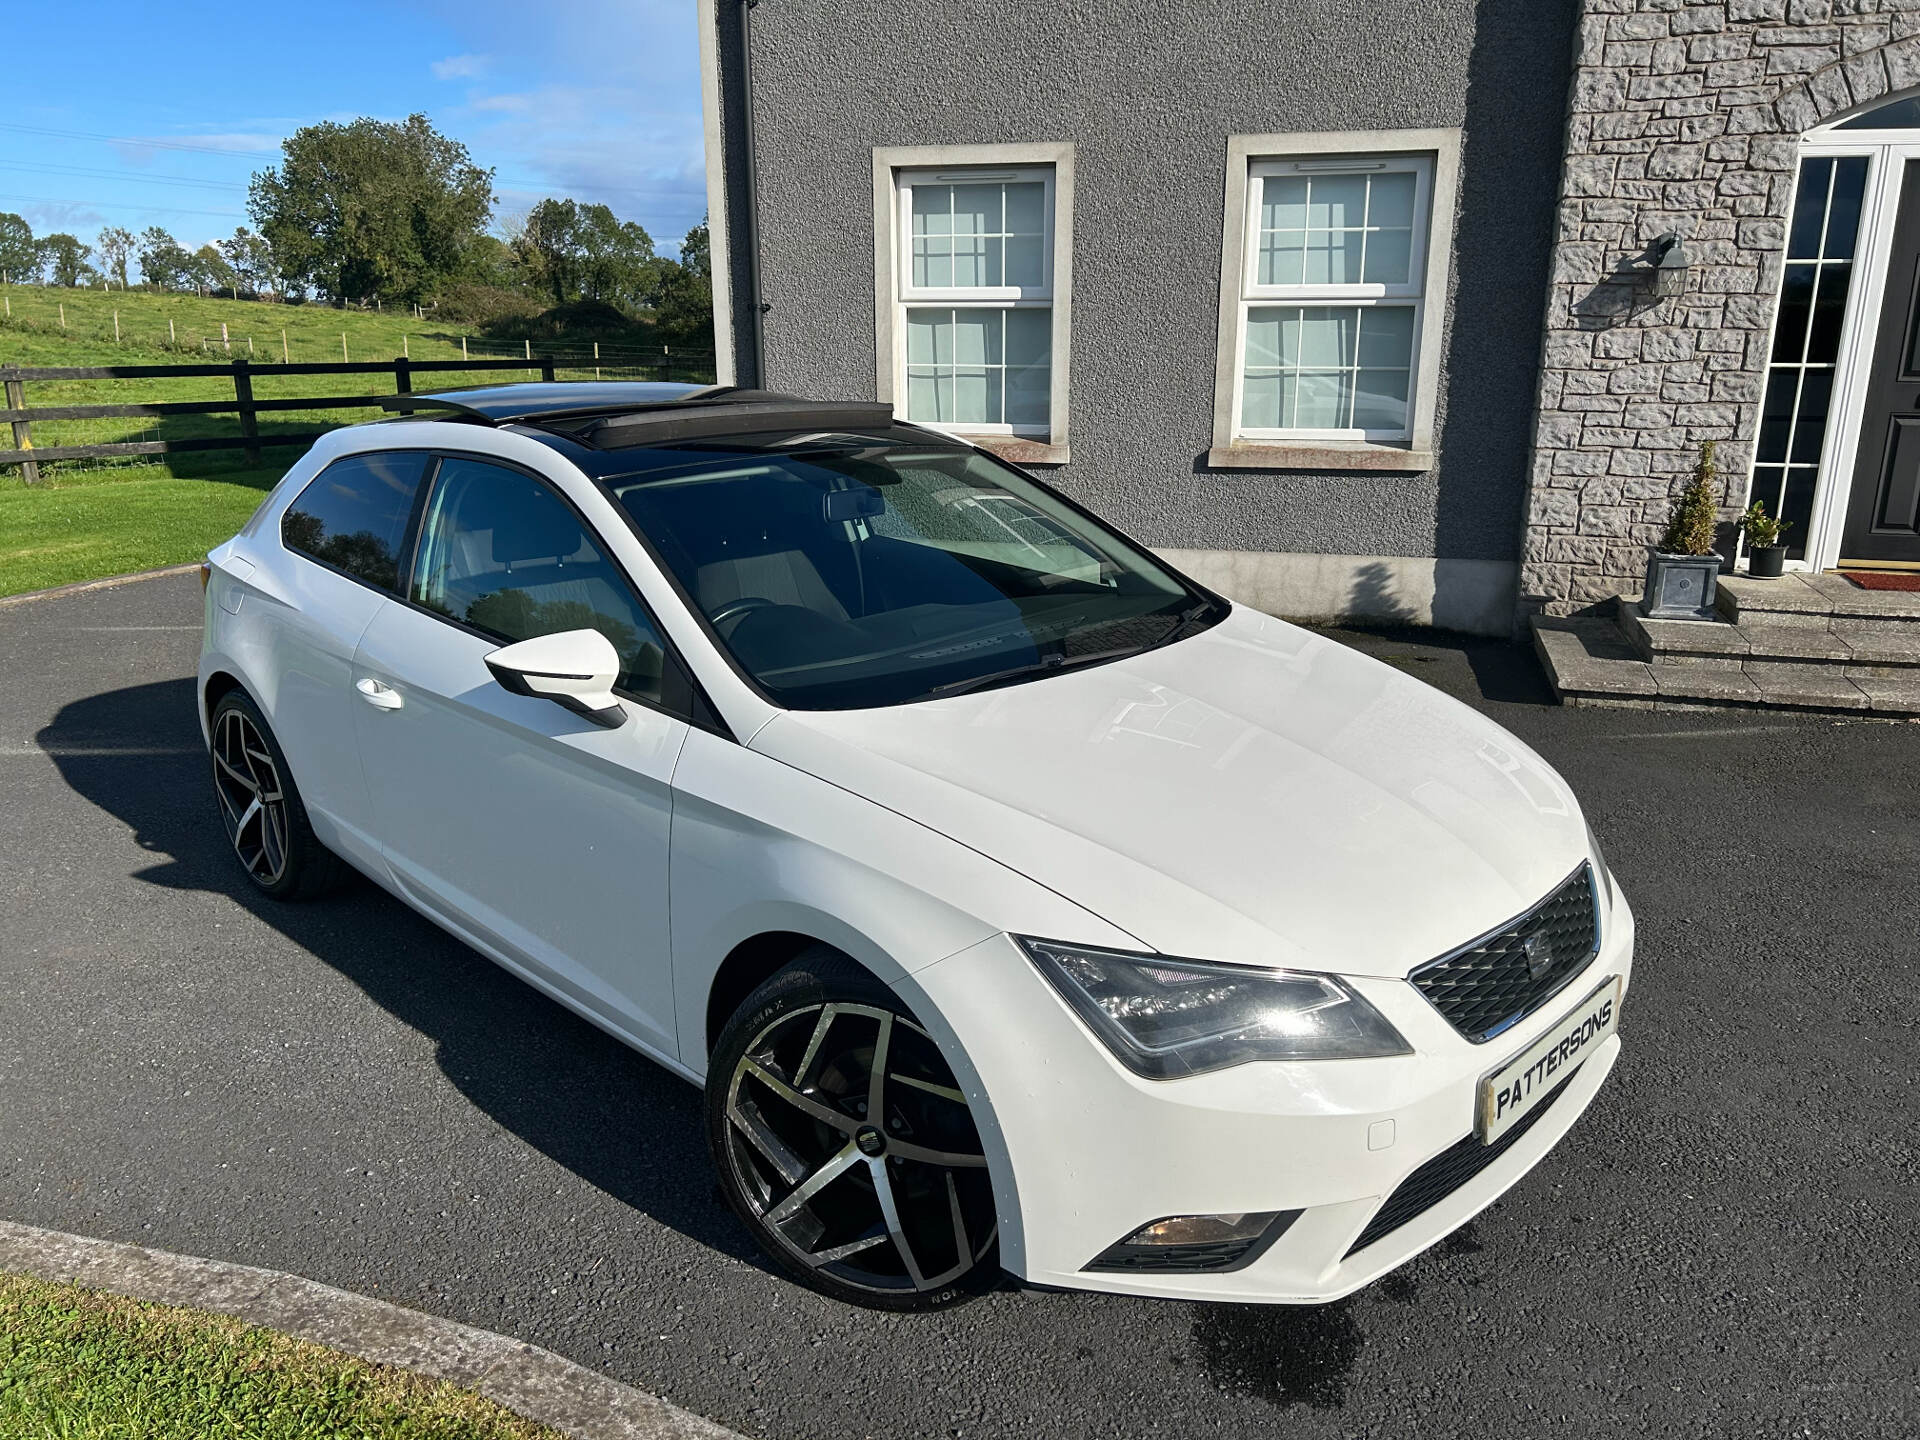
x=1085 y=1152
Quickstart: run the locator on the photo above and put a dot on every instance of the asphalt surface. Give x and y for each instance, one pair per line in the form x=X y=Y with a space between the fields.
x=1724 y=1246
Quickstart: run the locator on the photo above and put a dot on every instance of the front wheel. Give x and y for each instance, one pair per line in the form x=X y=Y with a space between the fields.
x=846 y=1145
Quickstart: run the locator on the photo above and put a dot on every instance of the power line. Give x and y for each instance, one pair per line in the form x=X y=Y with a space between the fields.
x=130 y=140
x=119 y=205
x=95 y=174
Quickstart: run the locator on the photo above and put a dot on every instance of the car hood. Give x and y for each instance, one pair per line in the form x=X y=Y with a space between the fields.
x=1256 y=794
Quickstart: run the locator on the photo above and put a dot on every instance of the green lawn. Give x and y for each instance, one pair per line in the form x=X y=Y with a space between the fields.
x=313 y=332
x=87 y=524
x=80 y=1365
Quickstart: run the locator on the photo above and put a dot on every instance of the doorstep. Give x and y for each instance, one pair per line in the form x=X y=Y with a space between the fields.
x=1799 y=643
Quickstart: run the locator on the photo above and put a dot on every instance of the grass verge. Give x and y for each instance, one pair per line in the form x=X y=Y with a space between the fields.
x=89 y=524
x=83 y=1365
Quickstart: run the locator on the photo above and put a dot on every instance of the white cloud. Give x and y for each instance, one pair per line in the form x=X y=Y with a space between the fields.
x=459 y=67
x=513 y=104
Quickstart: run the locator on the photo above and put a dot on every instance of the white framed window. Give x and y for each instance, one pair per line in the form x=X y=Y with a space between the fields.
x=1330 y=283
x=970 y=291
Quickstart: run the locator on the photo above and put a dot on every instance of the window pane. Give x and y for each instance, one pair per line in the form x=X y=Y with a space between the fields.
x=1389 y=257
x=1319 y=400
x=1263 y=338
x=933 y=210
x=976 y=397
x=1386 y=336
x=1829 y=311
x=501 y=552
x=1320 y=336
x=1810 y=424
x=922 y=336
x=976 y=336
x=1336 y=201
x=1776 y=414
x=972 y=265
x=354 y=514
x=1027 y=208
x=1796 y=303
x=976 y=210
x=1843 y=223
x=1283 y=200
x=1390 y=200
x=1025 y=261
x=1029 y=335
x=1333 y=257
x=1260 y=402
x=1809 y=209
x=923 y=395
x=1283 y=257
x=1380 y=400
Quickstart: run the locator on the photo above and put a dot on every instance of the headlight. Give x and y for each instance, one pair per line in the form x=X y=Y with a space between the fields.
x=1168 y=1018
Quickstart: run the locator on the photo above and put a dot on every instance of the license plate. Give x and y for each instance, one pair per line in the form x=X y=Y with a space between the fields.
x=1521 y=1085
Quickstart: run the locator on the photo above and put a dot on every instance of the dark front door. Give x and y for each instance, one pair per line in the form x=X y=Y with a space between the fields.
x=1883 y=513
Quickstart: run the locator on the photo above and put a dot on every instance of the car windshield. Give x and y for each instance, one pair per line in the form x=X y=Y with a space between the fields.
x=849 y=572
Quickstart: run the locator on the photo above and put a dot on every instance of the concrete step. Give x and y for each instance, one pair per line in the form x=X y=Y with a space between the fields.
x=1590 y=660
x=1800 y=600
x=1711 y=645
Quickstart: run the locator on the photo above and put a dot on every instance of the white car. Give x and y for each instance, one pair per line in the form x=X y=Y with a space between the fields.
x=1019 y=903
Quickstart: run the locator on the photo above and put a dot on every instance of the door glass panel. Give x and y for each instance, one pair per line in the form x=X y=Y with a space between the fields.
x=353 y=514
x=502 y=553
x=1806 y=340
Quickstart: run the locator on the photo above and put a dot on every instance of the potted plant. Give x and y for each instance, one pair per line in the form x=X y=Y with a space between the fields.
x=1766 y=556
x=1682 y=570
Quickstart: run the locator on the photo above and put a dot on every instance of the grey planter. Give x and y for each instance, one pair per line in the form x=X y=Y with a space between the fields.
x=1680 y=587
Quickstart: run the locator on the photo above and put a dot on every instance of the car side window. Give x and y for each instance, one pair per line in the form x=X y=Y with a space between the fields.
x=353 y=514
x=499 y=551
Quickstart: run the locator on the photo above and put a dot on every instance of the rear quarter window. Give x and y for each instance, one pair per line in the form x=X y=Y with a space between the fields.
x=353 y=515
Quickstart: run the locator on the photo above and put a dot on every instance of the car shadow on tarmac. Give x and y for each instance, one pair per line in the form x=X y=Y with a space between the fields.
x=577 y=1095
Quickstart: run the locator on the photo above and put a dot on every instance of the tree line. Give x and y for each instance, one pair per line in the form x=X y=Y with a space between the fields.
x=371 y=213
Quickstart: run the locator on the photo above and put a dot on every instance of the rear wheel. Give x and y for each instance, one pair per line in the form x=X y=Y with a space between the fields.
x=260 y=806
x=845 y=1143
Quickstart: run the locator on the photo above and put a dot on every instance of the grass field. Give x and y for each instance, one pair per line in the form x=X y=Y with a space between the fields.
x=313 y=332
x=81 y=1365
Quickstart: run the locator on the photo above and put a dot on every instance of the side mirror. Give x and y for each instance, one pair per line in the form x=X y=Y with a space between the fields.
x=574 y=668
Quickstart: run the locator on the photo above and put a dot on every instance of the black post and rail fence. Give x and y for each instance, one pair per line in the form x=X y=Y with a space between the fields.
x=244 y=404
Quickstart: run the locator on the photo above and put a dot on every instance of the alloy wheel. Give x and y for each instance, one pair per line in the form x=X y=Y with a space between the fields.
x=253 y=803
x=856 y=1151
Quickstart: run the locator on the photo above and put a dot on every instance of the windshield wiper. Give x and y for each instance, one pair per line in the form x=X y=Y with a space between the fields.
x=1059 y=661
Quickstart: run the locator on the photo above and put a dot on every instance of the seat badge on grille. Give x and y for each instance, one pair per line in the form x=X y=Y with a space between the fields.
x=1538 y=955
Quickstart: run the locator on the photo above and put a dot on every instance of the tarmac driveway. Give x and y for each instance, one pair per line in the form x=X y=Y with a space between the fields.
x=1725 y=1245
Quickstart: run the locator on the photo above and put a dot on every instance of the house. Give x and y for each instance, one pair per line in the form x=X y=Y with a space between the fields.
x=1415 y=311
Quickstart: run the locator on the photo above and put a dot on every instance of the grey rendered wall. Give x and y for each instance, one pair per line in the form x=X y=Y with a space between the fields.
x=1149 y=93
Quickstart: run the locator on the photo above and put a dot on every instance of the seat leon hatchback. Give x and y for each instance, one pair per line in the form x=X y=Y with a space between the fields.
x=1021 y=905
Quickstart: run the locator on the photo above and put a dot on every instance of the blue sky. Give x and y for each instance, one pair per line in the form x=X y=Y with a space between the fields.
x=137 y=114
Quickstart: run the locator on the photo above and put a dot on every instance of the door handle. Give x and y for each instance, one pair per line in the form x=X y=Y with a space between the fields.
x=381 y=697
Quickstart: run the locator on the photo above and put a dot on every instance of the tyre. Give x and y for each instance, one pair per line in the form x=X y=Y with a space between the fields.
x=844 y=1142
x=260 y=806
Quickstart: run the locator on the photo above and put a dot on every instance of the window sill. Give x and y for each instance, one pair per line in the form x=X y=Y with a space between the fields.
x=1316 y=455
x=1021 y=451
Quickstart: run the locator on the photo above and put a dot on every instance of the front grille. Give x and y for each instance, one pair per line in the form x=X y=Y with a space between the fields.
x=1447 y=1172
x=1489 y=986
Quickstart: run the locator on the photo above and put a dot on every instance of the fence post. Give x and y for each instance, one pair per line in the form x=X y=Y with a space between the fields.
x=546 y=367
x=403 y=376
x=22 y=430
x=249 y=424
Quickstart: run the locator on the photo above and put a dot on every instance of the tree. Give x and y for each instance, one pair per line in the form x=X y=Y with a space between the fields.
x=683 y=303
x=164 y=261
x=249 y=258
x=115 y=246
x=371 y=210
x=549 y=247
x=66 y=257
x=586 y=252
x=208 y=270
x=20 y=256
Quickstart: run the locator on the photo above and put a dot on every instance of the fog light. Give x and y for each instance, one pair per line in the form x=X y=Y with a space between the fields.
x=1197 y=1243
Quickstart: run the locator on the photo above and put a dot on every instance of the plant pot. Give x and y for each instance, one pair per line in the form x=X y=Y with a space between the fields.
x=1680 y=587
x=1766 y=562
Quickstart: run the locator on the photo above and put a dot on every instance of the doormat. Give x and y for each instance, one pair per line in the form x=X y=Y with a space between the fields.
x=1884 y=579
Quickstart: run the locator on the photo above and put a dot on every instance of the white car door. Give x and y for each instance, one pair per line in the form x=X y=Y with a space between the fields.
x=346 y=528
x=536 y=832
